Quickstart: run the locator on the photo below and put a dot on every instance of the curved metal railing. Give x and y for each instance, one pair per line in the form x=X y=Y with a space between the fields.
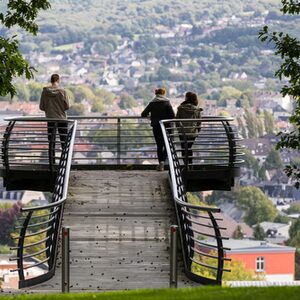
x=39 y=226
x=200 y=230
x=34 y=141
x=214 y=142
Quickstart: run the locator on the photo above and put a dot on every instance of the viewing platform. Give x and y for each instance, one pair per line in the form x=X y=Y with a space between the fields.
x=119 y=209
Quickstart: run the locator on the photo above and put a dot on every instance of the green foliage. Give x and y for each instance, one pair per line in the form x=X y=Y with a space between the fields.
x=12 y=63
x=268 y=122
x=259 y=233
x=229 y=92
x=257 y=206
x=262 y=173
x=293 y=209
x=127 y=101
x=236 y=267
x=194 y=198
x=294 y=233
x=251 y=124
x=282 y=219
x=218 y=197
x=288 y=49
x=239 y=272
x=273 y=160
x=297 y=264
x=8 y=217
x=4 y=249
x=77 y=109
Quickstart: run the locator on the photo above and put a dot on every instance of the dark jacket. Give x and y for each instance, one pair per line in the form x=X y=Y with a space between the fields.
x=159 y=109
x=189 y=111
x=54 y=102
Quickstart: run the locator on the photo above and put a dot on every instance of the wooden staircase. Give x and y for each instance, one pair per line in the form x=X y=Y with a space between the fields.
x=119 y=226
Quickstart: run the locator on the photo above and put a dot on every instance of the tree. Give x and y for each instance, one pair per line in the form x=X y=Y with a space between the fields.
x=257 y=206
x=273 y=160
x=288 y=49
x=294 y=233
x=8 y=217
x=229 y=92
x=238 y=233
x=238 y=271
x=20 y=13
x=268 y=122
x=251 y=124
x=262 y=173
x=242 y=128
x=78 y=109
x=259 y=233
x=127 y=101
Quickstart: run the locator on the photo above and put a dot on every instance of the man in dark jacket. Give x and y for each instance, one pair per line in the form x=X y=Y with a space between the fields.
x=159 y=109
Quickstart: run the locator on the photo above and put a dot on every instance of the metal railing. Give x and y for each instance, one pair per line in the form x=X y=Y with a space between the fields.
x=39 y=226
x=214 y=143
x=33 y=143
x=119 y=141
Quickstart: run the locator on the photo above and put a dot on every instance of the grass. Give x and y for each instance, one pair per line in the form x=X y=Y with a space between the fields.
x=205 y=293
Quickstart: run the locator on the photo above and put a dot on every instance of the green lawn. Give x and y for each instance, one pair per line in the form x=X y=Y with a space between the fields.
x=205 y=293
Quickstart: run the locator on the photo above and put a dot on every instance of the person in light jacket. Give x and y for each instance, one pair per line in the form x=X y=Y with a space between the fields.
x=159 y=108
x=188 y=130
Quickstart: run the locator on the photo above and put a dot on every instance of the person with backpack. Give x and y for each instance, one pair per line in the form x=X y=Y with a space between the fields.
x=188 y=130
x=159 y=108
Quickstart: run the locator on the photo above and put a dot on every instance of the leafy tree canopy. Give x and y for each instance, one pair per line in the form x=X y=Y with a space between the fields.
x=273 y=160
x=12 y=63
x=256 y=204
x=287 y=48
x=259 y=233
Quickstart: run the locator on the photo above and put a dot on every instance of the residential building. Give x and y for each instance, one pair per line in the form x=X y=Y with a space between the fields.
x=275 y=262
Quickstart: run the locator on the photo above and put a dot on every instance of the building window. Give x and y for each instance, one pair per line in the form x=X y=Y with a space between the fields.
x=260 y=264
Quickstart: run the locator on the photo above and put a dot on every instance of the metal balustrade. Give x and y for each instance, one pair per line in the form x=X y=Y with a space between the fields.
x=39 y=226
x=216 y=145
x=32 y=146
x=35 y=145
x=113 y=141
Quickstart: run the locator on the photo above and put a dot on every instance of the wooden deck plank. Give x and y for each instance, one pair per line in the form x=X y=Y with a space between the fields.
x=119 y=231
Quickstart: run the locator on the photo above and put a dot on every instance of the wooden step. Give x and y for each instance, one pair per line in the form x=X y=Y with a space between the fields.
x=119 y=231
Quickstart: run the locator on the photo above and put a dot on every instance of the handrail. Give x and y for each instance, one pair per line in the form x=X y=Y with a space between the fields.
x=204 y=268
x=121 y=141
x=39 y=232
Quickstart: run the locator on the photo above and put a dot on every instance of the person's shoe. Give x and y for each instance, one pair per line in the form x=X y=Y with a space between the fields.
x=161 y=166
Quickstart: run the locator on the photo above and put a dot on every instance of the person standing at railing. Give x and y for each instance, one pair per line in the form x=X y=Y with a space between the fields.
x=54 y=102
x=188 y=130
x=159 y=108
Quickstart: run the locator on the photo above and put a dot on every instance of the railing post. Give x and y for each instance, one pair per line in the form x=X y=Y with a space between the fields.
x=119 y=142
x=173 y=256
x=65 y=260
